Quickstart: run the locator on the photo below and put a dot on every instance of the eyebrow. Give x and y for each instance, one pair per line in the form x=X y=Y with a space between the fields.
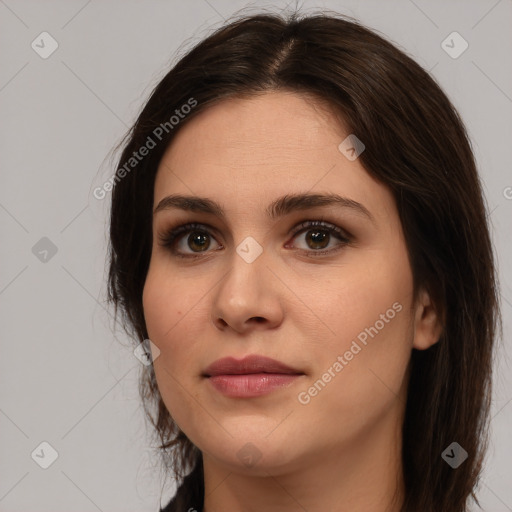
x=278 y=208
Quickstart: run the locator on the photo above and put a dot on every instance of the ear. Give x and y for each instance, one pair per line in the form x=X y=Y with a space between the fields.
x=427 y=324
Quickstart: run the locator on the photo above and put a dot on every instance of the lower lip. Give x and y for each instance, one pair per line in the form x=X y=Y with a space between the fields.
x=251 y=385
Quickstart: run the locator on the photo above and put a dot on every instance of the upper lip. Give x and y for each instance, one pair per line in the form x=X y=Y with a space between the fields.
x=247 y=365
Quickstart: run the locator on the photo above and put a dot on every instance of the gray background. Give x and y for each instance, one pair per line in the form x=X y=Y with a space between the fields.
x=64 y=378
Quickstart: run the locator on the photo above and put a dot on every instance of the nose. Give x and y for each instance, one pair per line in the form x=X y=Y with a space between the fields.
x=247 y=297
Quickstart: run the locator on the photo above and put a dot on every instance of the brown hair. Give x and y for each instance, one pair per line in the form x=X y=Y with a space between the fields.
x=417 y=145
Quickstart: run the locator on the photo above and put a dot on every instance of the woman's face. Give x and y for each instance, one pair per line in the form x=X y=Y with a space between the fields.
x=336 y=308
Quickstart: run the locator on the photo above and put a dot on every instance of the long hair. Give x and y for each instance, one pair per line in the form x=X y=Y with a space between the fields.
x=416 y=145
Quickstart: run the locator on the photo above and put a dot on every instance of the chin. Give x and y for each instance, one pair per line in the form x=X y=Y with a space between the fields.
x=258 y=455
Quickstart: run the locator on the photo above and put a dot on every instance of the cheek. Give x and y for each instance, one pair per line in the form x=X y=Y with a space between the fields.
x=356 y=385
x=167 y=300
x=165 y=308
x=367 y=312
x=175 y=314
x=166 y=311
x=160 y=311
x=357 y=294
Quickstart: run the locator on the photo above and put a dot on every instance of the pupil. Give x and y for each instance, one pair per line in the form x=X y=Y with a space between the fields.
x=317 y=237
x=200 y=239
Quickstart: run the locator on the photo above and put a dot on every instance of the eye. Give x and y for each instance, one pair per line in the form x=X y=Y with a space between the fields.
x=198 y=240
x=319 y=234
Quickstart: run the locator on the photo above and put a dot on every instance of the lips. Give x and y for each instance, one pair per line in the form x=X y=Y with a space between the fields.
x=248 y=365
x=251 y=377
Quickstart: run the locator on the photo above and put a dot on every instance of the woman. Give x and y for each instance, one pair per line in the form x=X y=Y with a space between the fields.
x=299 y=228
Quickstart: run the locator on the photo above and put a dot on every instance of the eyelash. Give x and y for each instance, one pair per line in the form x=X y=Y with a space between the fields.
x=170 y=238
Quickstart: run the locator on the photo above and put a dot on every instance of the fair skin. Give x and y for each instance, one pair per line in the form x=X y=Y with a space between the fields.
x=340 y=451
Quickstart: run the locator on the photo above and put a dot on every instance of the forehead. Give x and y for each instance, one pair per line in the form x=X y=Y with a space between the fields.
x=252 y=150
x=272 y=125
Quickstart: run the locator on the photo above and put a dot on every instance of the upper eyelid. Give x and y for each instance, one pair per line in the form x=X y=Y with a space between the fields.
x=185 y=226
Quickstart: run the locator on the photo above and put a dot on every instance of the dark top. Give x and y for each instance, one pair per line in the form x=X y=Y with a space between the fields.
x=190 y=494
